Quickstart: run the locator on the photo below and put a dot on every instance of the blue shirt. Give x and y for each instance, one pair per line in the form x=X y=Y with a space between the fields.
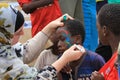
x=91 y=62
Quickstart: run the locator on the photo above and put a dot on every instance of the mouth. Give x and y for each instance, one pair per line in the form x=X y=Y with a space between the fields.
x=61 y=50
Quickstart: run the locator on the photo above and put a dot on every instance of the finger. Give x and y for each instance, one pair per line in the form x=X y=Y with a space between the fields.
x=96 y=76
x=69 y=17
x=92 y=77
x=80 y=48
x=77 y=51
x=65 y=17
x=73 y=47
x=94 y=73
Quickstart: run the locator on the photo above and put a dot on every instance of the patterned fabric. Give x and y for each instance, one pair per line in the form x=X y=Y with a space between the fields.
x=47 y=73
x=18 y=47
x=7 y=24
x=11 y=66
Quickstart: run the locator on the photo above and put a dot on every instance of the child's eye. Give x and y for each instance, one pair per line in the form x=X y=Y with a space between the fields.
x=62 y=38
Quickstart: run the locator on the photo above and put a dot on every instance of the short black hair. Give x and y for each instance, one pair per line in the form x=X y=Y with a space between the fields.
x=75 y=27
x=109 y=16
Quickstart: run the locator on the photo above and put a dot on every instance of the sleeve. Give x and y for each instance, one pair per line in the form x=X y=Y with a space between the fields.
x=40 y=62
x=47 y=73
x=98 y=62
x=18 y=47
x=21 y=2
x=33 y=47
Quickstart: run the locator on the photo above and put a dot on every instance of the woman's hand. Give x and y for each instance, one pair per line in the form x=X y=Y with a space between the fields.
x=69 y=55
x=73 y=53
x=53 y=25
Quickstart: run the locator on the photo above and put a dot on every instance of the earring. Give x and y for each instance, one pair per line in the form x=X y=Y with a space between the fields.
x=104 y=34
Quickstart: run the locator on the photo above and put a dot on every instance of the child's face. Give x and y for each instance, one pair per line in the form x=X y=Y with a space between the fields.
x=64 y=40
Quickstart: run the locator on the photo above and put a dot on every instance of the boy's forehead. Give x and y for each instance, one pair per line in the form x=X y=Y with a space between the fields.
x=62 y=30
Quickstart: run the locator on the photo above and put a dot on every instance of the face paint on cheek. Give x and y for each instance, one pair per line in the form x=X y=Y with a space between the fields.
x=68 y=44
x=67 y=40
x=67 y=36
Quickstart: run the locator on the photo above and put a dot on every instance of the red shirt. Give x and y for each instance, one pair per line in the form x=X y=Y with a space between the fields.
x=42 y=16
x=109 y=71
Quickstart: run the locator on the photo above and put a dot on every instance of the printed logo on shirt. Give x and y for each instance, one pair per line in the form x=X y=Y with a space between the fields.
x=84 y=77
x=107 y=71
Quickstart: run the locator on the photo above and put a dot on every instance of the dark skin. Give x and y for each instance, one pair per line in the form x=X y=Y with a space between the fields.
x=77 y=39
x=105 y=34
x=34 y=4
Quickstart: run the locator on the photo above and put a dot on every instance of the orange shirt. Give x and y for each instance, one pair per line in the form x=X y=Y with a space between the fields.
x=109 y=71
x=42 y=16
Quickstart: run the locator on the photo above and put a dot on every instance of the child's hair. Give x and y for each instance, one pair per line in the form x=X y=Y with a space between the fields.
x=75 y=27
